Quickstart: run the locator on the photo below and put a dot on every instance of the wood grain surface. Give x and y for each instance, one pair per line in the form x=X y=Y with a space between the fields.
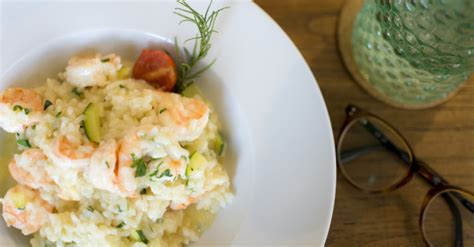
x=443 y=136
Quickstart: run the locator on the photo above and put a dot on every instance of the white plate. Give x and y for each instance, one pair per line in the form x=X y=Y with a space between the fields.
x=281 y=157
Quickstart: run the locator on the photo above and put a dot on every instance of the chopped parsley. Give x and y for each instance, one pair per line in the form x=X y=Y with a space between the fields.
x=47 y=104
x=166 y=173
x=17 y=108
x=143 y=239
x=155 y=173
x=21 y=108
x=140 y=166
x=107 y=164
x=76 y=92
x=122 y=224
x=90 y=209
x=104 y=60
x=24 y=142
x=143 y=191
x=163 y=110
x=122 y=86
x=59 y=114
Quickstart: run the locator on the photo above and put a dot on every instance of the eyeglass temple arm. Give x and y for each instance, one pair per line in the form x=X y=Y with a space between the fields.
x=435 y=179
x=428 y=174
x=352 y=154
x=457 y=218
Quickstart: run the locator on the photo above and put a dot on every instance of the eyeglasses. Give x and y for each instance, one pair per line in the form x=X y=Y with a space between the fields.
x=374 y=157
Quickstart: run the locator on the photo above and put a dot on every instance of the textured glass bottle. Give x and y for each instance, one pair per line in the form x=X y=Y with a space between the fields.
x=414 y=52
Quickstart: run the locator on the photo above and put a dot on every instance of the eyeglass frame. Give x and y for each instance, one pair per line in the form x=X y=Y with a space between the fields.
x=436 y=181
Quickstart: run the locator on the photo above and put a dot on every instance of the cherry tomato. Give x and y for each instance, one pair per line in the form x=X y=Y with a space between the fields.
x=157 y=68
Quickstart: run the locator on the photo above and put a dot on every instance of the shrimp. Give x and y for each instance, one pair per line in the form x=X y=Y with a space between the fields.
x=111 y=166
x=102 y=168
x=19 y=108
x=68 y=151
x=177 y=166
x=179 y=205
x=148 y=141
x=183 y=117
x=92 y=71
x=25 y=210
x=28 y=169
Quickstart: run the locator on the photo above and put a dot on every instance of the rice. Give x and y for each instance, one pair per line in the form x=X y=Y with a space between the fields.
x=94 y=217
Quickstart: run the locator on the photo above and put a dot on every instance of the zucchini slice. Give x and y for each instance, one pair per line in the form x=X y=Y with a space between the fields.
x=191 y=90
x=124 y=73
x=92 y=123
x=196 y=161
x=219 y=144
x=19 y=200
x=134 y=236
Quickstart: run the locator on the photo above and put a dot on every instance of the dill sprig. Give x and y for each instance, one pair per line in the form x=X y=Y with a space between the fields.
x=202 y=42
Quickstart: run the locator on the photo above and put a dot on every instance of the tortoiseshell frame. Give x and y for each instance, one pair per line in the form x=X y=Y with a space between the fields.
x=440 y=185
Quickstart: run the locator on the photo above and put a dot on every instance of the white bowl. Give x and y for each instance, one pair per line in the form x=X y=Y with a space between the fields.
x=281 y=151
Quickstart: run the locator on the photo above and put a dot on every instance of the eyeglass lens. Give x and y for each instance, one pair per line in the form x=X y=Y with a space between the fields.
x=367 y=159
x=441 y=216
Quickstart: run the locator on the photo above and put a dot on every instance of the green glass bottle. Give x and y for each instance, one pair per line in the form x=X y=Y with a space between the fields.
x=414 y=52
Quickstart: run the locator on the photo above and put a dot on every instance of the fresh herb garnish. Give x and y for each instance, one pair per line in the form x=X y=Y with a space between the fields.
x=143 y=191
x=47 y=104
x=24 y=142
x=155 y=173
x=122 y=224
x=21 y=108
x=17 y=108
x=166 y=173
x=76 y=92
x=107 y=164
x=122 y=86
x=143 y=239
x=59 y=114
x=139 y=165
x=104 y=60
x=163 y=110
x=202 y=42
x=90 y=209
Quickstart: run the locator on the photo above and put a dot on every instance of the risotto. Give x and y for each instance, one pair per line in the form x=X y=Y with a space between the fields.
x=109 y=160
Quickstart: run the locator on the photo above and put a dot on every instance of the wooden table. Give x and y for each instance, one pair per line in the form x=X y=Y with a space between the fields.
x=443 y=136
